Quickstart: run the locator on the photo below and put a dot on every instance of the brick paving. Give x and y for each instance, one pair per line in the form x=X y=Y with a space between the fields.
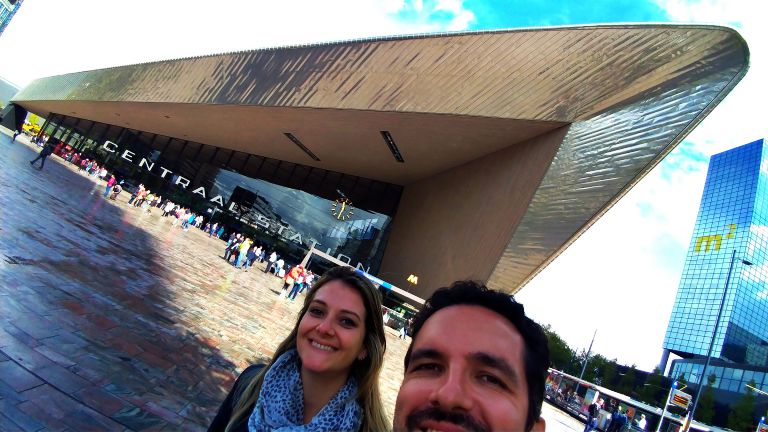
x=110 y=319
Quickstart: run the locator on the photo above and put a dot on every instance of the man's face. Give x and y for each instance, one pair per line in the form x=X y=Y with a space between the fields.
x=466 y=372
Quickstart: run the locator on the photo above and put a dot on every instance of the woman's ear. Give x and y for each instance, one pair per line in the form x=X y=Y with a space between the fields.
x=363 y=354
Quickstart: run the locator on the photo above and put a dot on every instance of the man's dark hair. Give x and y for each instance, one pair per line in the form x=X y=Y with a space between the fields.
x=536 y=355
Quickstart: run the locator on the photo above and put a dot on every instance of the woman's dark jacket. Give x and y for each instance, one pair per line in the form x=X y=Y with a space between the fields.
x=227 y=407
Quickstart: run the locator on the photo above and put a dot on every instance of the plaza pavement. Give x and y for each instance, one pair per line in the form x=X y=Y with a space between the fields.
x=111 y=319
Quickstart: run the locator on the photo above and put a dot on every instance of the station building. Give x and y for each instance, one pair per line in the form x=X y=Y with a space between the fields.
x=476 y=155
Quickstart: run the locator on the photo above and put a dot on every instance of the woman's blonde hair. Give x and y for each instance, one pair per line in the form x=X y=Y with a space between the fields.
x=366 y=371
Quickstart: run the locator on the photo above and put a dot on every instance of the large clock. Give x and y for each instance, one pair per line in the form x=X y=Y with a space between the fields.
x=342 y=209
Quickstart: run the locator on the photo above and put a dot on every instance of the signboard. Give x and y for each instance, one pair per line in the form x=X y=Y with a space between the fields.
x=680 y=399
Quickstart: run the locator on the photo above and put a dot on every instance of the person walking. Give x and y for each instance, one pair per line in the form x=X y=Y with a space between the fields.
x=44 y=153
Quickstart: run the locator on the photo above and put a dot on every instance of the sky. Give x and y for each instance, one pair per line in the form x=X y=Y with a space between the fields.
x=619 y=278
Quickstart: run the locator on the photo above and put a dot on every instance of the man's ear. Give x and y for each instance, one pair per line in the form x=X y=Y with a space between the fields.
x=539 y=426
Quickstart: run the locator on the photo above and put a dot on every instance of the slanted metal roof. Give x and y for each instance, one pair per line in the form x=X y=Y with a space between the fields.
x=628 y=93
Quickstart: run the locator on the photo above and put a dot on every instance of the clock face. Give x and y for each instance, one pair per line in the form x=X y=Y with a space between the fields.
x=342 y=209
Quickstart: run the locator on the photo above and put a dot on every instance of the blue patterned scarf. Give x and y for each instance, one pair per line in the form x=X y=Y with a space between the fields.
x=280 y=406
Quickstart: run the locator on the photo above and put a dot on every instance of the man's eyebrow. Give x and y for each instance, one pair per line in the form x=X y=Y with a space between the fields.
x=425 y=353
x=498 y=363
x=343 y=310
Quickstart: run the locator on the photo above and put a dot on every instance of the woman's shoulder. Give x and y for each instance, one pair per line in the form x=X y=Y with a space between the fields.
x=226 y=410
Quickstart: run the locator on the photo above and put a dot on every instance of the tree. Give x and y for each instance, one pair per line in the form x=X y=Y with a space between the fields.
x=609 y=374
x=560 y=354
x=653 y=391
x=705 y=411
x=627 y=381
x=740 y=418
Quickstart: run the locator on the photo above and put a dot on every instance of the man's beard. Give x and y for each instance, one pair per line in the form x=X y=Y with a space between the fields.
x=461 y=419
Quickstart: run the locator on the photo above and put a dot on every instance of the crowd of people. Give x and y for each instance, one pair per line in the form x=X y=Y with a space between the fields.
x=475 y=360
x=242 y=252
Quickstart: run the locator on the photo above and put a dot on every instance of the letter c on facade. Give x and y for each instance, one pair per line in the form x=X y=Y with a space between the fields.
x=107 y=146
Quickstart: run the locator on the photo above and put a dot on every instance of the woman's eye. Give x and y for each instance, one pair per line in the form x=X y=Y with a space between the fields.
x=315 y=312
x=346 y=322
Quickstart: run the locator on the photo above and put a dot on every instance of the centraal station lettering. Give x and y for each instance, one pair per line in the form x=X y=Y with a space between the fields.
x=150 y=165
x=248 y=216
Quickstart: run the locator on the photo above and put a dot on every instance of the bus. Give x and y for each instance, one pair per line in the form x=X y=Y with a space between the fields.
x=574 y=396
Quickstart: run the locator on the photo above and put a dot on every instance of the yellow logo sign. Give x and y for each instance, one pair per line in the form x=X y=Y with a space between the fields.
x=714 y=241
x=342 y=209
x=413 y=279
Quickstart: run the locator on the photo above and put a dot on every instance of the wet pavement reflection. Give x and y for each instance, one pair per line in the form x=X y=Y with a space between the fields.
x=111 y=319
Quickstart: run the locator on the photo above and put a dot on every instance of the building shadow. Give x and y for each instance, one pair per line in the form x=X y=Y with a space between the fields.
x=110 y=319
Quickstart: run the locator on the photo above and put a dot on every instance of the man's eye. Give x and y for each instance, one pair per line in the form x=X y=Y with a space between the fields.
x=427 y=367
x=492 y=380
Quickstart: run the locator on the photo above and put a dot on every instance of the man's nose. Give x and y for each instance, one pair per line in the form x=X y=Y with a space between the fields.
x=452 y=393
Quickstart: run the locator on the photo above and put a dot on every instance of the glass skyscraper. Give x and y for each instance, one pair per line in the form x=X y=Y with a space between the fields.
x=8 y=9
x=731 y=229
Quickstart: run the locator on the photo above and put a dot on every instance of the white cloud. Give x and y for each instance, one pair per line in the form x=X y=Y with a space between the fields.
x=51 y=37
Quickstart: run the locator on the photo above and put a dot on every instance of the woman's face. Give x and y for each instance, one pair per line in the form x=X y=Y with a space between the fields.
x=332 y=331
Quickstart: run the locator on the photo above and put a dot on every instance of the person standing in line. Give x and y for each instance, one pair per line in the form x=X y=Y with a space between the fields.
x=250 y=257
x=111 y=182
x=309 y=277
x=279 y=271
x=593 y=412
x=220 y=232
x=298 y=282
x=233 y=240
x=256 y=253
x=190 y=220
x=642 y=422
x=44 y=153
x=135 y=193
x=242 y=251
x=213 y=229
x=271 y=262
x=168 y=208
x=176 y=215
x=116 y=190
x=616 y=422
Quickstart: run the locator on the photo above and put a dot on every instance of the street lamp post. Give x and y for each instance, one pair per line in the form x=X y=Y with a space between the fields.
x=666 y=404
x=584 y=367
x=714 y=332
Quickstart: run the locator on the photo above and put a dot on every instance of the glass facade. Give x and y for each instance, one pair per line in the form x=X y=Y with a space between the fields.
x=7 y=11
x=732 y=222
x=727 y=377
x=289 y=206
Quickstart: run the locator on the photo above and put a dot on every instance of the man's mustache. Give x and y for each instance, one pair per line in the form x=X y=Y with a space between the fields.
x=461 y=419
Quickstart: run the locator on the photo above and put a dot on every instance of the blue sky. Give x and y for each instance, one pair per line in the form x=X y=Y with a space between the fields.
x=512 y=13
x=619 y=278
